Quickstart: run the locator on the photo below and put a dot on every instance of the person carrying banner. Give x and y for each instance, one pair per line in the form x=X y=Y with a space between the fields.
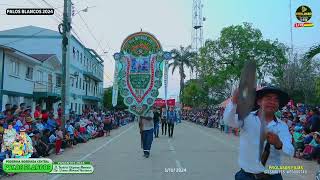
x=146 y=126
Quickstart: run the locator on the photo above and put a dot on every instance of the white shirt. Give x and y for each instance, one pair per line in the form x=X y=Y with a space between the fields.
x=249 y=156
x=148 y=124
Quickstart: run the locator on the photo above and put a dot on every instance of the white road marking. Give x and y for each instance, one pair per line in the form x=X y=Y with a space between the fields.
x=96 y=150
x=171 y=148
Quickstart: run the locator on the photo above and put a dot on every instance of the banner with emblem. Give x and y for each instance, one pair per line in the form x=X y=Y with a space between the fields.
x=140 y=68
x=115 y=86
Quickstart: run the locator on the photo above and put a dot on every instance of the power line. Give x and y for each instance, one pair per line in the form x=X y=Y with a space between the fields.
x=59 y=20
x=88 y=28
x=9 y=5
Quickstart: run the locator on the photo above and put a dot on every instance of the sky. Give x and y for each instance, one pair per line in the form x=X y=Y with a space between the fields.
x=111 y=21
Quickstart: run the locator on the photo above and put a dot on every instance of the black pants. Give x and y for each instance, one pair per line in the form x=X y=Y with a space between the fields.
x=242 y=175
x=41 y=150
x=164 y=125
x=222 y=128
x=170 y=129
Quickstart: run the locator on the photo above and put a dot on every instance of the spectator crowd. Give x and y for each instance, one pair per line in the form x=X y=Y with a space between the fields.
x=45 y=131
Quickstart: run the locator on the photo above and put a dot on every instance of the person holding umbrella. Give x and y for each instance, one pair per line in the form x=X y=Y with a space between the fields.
x=263 y=137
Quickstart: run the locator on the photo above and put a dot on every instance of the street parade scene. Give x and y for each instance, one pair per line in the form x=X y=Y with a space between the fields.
x=163 y=90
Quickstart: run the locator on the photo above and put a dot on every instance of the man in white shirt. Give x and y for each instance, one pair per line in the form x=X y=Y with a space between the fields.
x=261 y=147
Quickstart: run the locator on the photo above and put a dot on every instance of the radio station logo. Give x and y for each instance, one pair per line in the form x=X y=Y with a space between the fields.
x=303 y=14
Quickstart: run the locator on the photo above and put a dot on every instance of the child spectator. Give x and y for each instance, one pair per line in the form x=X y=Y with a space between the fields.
x=298 y=140
x=59 y=139
x=68 y=140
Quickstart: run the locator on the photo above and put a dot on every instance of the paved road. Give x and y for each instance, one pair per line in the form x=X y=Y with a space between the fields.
x=203 y=153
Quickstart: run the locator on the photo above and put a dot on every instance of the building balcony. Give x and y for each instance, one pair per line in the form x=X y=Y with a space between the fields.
x=44 y=89
x=91 y=98
x=89 y=73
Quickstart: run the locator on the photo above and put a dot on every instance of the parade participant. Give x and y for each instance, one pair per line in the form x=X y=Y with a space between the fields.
x=164 y=122
x=107 y=125
x=252 y=159
x=156 y=120
x=22 y=146
x=9 y=137
x=146 y=130
x=172 y=118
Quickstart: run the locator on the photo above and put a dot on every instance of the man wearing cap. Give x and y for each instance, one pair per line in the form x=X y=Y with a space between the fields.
x=259 y=146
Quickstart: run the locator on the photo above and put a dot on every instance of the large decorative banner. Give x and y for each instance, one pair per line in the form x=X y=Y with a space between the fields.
x=140 y=68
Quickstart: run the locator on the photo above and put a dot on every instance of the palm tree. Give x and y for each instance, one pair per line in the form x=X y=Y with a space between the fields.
x=313 y=52
x=182 y=58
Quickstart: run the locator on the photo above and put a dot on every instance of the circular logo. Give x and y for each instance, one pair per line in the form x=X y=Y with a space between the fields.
x=303 y=13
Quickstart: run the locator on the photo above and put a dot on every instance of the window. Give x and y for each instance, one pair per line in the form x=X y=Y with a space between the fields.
x=77 y=55
x=15 y=68
x=71 y=106
x=80 y=83
x=73 y=53
x=83 y=85
x=14 y=100
x=58 y=81
x=81 y=58
x=40 y=76
x=72 y=82
x=75 y=105
x=77 y=83
x=29 y=74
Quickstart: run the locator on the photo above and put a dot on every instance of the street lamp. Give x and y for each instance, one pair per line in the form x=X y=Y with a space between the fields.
x=83 y=10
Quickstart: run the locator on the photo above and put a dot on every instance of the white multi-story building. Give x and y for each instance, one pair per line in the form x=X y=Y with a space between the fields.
x=32 y=79
x=86 y=66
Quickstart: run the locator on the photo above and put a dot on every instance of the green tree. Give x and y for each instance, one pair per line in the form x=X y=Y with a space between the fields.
x=107 y=100
x=194 y=95
x=315 y=50
x=182 y=59
x=220 y=61
x=301 y=79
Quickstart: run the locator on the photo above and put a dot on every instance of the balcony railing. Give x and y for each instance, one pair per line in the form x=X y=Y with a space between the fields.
x=93 y=75
x=46 y=87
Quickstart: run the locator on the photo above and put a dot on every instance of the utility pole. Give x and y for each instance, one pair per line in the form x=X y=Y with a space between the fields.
x=66 y=27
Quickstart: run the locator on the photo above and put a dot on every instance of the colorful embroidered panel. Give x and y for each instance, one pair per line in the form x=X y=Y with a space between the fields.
x=139 y=68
